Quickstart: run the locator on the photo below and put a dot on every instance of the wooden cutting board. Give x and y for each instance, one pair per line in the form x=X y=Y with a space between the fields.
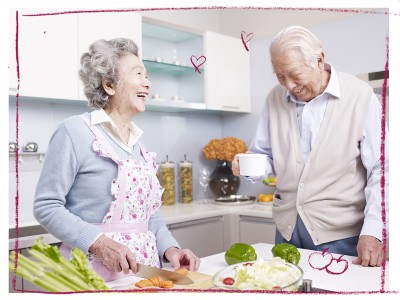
x=200 y=281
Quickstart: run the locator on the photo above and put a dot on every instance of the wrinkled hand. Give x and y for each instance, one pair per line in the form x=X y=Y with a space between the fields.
x=370 y=251
x=113 y=255
x=235 y=165
x=182 y=258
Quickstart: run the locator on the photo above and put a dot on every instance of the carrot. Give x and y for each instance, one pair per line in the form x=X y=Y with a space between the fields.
x=182 y=271
x=168 y=284
x=154 y=281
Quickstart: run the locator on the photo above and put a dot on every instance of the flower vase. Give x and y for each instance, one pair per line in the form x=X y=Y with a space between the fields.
x=222 y=181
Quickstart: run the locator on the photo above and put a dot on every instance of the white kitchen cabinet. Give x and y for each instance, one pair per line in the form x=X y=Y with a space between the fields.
x=204 y=236
x=227 y=73
x=171 y=55
x=107 y=25
x=50 y=47
x=253 y=230
x=47 y=47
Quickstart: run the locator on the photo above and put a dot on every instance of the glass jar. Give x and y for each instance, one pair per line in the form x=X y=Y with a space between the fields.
x=168 y=182
x=186 y=179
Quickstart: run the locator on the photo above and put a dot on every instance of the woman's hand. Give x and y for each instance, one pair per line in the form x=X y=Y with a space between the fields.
x=182 y=258
x=113 y=255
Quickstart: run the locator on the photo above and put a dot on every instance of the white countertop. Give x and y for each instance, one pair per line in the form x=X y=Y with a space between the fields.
x=355 y=279
x=205 y=208
x=198 y=209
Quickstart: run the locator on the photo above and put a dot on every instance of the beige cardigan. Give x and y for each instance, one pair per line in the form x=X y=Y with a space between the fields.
x=328 y=190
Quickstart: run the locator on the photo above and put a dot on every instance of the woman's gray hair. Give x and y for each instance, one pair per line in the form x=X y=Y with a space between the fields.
x=300 y=38
x=101 y=63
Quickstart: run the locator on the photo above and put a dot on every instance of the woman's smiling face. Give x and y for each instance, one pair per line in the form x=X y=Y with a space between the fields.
x=301 y=79
x=133 y=86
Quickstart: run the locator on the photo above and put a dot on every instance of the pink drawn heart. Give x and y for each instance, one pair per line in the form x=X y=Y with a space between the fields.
x=337 y=266
x=320 y=260
x=199 y=62
x=246 y=38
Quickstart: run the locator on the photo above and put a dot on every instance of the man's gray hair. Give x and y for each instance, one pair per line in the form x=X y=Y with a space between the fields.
x=299 y=38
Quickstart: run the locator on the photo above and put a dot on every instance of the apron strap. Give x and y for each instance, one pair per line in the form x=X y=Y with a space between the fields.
x=123 y=176
x=119 y=204
x=146 y=156
x=100 y=137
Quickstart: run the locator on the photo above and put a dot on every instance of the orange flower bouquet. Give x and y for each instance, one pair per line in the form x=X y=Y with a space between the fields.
x=224 y=149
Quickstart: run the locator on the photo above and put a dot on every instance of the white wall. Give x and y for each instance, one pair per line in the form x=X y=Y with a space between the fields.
x=356 y=45
x=200 y=19
x=266 y=22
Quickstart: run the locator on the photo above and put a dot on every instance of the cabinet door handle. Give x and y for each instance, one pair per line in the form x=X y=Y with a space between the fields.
x=232 y=107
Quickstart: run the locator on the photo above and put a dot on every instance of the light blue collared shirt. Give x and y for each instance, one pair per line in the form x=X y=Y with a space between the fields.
x=309 y=117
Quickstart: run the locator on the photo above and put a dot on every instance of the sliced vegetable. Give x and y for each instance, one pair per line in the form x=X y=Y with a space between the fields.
x=154 y=281
x=182 y=271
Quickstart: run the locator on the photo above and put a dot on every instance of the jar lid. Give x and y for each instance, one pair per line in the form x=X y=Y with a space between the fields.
x=167 y=163
x=185 y=162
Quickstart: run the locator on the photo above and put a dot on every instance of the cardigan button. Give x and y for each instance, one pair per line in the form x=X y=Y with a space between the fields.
x=301 y=184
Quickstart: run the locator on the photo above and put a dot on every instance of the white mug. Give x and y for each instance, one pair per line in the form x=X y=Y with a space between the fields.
x=252 y=164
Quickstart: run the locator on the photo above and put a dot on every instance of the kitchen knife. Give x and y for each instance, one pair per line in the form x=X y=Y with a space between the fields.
x=147 y=272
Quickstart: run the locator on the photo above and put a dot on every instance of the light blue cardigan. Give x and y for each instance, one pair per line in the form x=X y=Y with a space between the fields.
x=74 y=188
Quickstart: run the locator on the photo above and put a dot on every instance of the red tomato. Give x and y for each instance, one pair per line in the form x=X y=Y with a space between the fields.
x=228 y=281
x=276 y=287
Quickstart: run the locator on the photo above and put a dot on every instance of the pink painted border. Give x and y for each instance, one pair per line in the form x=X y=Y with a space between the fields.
x=383 y=122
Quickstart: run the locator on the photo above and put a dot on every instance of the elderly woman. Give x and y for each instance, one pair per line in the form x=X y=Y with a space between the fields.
x=98 y=189
x=321 y=132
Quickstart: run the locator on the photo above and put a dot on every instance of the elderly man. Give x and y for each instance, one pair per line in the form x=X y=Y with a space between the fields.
x=321 y=131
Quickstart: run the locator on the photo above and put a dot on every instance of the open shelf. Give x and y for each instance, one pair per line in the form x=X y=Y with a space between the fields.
x=168 y=69
x=21 y=155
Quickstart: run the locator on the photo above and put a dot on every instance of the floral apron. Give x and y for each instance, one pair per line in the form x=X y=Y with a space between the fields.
x=136 y=196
